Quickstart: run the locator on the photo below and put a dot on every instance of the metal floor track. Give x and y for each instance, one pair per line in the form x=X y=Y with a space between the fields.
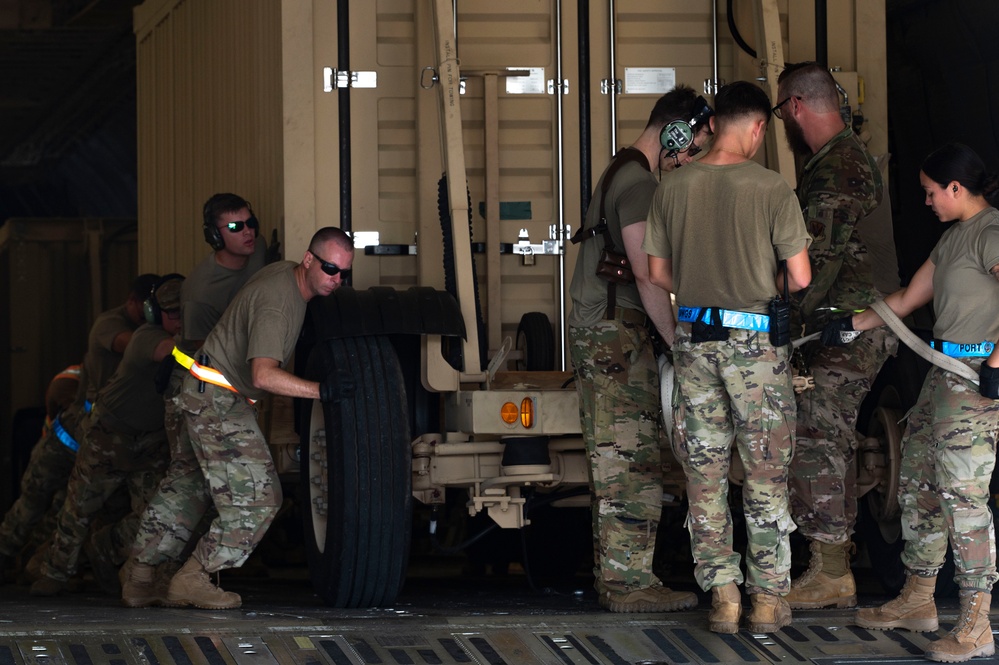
x=214 y=638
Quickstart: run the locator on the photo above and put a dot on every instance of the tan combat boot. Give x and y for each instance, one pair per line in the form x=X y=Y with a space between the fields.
x=192 y=586
x=656 y=598
x=726 y=609
x=971 y=637
x=139 y=587
x=100 y=550
x=913 y=609
x=770 y=613
x=828 y=580
x=47 y=586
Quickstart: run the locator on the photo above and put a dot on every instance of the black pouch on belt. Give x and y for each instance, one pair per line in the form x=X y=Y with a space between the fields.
x=779 y=310
x=710 y=331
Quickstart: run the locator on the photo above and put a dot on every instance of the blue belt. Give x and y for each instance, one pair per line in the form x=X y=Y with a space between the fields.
x=729 y=318
x=87 y=405
x=956 y=350
x=64 y=436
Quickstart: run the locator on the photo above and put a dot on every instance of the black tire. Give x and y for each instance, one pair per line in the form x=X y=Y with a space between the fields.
x=359 y=546
x=536 y=341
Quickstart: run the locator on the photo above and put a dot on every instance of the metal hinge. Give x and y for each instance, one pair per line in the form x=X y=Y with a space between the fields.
x=347 y=79
x=605 y=86
x=551 y=86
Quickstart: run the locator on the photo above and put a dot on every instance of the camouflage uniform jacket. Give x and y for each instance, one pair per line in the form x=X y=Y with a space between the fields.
x=838 y=187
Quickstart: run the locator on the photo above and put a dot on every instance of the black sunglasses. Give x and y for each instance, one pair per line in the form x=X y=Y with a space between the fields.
x=236 y=227
x=332 y=269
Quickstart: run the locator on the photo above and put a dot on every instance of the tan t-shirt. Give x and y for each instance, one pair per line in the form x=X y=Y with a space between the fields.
x=208 y=290
x=628 y=199
x=130 y=396
x=101 y=362
x=725 y=227
x=263 y=321
x=965 y=295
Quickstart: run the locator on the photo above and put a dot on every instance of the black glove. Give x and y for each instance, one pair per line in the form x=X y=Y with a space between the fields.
x=327 y=389
x=839 y=332
x=163 y=372
x=988 y=381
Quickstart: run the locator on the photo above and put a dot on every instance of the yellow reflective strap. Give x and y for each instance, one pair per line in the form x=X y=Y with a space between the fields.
x=185 y=360
x=210 y=375
x=71 y=372
x=214 y=377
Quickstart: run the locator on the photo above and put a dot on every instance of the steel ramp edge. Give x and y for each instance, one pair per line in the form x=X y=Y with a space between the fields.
x=824 y=637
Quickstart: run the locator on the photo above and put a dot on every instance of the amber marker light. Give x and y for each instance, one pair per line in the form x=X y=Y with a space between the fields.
x=527 y=412
x=509 y=413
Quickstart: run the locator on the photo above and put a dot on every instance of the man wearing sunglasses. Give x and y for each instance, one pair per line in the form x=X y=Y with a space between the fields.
x=221 y=456
x=838 y=187
x=233 y=232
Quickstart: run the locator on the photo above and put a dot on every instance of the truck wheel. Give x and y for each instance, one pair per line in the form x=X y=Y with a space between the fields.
x=356 y=474
x=536 y=341
x=883 y=500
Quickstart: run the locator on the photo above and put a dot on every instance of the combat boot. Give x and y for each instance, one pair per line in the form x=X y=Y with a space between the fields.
x=656 y=598
x=100 y=550
x=726 y=609
x=192 y=586
x=770 y=613
x=828 y=580
x=139 y=587
x=971 y=636
x=33 y=568
x=913 y=609
x=47 y=586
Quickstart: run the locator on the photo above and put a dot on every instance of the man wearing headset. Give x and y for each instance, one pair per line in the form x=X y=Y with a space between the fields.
x=123 y=440
x=615 y=364
x=233 y=232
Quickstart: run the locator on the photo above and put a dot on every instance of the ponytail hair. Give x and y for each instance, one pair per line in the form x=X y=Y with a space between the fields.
x=956 y=162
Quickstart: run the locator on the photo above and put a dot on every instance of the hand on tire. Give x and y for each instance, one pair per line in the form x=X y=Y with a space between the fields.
x=988 y=381
x=839 y=332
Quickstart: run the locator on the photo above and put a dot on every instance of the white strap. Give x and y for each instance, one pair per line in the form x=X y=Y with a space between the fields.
x=919 y=346
x=667 y=377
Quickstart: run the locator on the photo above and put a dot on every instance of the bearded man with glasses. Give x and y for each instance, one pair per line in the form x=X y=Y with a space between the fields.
x=839 y=187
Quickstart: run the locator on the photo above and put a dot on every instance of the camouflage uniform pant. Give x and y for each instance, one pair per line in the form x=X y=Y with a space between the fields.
x=822 y=478
x=220 y=457
x=107 y=459
x=48 y=471
x=738 y=391
x=159 y=539
x=618 y=386
x=948 y=454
